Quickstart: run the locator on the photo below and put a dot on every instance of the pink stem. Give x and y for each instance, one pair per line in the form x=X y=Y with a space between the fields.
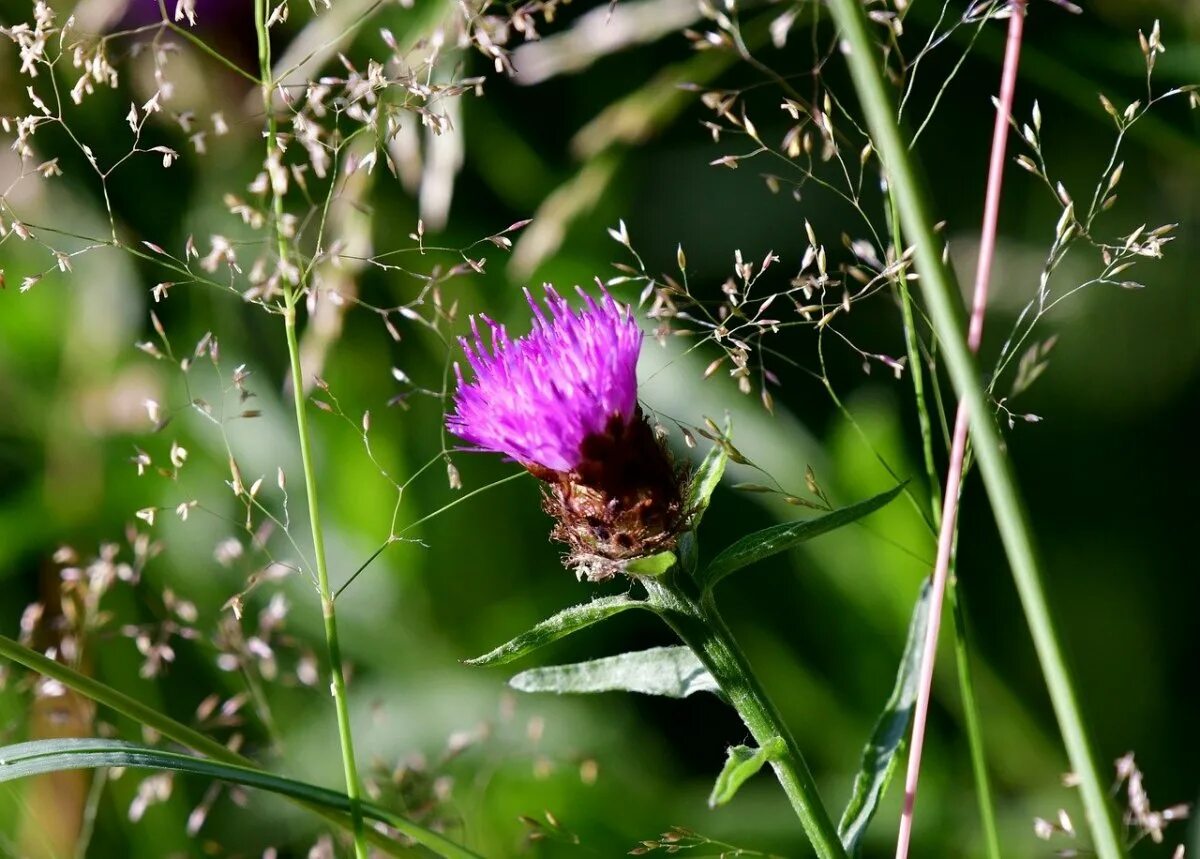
x=958 y=447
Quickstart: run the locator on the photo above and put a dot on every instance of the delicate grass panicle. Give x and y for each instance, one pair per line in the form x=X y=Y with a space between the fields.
x=338 y=107
x=1142 y=821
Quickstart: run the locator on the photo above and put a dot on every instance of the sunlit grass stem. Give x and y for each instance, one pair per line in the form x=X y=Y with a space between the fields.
x=329 y=616
x=292 y=294
x=945 y=313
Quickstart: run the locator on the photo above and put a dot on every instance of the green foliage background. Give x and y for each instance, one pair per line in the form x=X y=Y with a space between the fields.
x=1110 y=473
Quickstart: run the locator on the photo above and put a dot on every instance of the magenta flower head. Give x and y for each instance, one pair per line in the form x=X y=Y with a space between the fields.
x=562 y=401
x=537 y=398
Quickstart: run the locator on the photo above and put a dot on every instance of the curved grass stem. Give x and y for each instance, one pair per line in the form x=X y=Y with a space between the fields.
x=1008 y=509
x=292 y=294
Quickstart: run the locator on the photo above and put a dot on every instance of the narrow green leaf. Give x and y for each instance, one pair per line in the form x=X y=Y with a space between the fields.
x=689 y=551
x=740 y=764
x=651 y=565
x=119 y=702
x=879 y=758
x=564 y=623
x=47 y=756
x=671 y=671
x=700 y=489
x=706 y=478
x=779 y=538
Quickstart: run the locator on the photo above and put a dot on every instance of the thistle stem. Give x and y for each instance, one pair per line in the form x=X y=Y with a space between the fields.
x=945 y=312
x=291 y=297
x=700 y=626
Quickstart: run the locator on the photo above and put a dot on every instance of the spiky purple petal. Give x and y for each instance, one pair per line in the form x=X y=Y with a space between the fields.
x=538 y=397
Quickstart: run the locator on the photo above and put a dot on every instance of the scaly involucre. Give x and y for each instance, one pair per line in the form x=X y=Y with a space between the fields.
x=538 y=397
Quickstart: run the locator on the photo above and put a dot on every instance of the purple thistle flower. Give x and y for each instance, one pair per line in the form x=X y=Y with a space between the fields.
x=537 y=398
x=562 y=401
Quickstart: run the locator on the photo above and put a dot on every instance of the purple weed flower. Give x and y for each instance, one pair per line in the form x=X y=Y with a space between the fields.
x=562 y=401
x=538 y=397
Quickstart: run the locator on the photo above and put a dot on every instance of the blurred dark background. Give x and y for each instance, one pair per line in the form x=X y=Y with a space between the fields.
x=1109 y=474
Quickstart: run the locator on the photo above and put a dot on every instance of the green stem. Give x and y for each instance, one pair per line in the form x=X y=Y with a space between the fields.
x=338 y=684
x=204 y=47
x=268 y=86
x=945 y=312
x=292 y=293
x=966 y=683
x=915 y=364
x=966 y=687
x=700 y=626
x=90 y=810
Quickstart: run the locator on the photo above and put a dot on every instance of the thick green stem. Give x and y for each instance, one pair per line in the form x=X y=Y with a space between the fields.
x=292 y=293
x=945 y=312
x=700 y=626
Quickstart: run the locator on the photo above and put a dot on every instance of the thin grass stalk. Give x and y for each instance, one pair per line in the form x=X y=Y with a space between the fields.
x=292 y=295
x=329 y=616
x=90 y=811
x=946 y=314
x=966 y=690
x=958 y=446
x=966 y=684
x=915 y=366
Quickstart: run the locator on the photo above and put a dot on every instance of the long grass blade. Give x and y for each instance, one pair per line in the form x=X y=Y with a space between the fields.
x=39 y=757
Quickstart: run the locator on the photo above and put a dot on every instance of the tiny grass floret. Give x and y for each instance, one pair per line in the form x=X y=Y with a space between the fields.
x=562 y=401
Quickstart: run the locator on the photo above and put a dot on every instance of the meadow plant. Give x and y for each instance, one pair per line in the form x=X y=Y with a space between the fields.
x=349 y=106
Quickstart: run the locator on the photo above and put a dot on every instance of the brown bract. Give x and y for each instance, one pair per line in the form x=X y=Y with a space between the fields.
x=623 y=500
